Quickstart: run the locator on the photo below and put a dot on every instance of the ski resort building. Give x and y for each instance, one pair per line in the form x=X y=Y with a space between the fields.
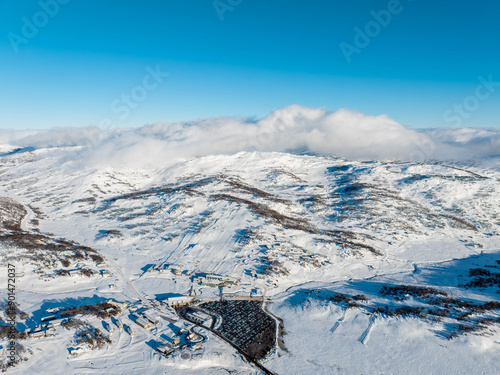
x=215 y=280
x=178 y=301
x=129 y=330
x=143 y=323
x=200 y=317
x=55 y=322
x=105 y=273
x=37 y=333
x=165 y=349
x=51 y=331
x=48 y=318
x=151 y=316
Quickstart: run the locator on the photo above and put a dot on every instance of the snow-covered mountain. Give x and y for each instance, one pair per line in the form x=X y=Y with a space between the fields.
x=372 y=266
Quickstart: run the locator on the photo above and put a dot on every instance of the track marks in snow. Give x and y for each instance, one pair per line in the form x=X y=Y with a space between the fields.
x=338 y=322
x=365 y=335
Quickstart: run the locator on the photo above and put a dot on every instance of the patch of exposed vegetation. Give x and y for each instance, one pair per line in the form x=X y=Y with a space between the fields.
x=39 y=249
x=402 y=292
x=341 y=237
x=93 y=337
x=347 y=301
x=72 y=323
x=483 y=278
x=101 y=310
x=61 y=272
x=430 y=304
x=110 y=233
x=11 y=215
x=238 y=185
x=161 y=190
x=275 y=267
x=91 y=200
x=86 y=272
x=42 y=250
x=19 y=355
x=356 y=199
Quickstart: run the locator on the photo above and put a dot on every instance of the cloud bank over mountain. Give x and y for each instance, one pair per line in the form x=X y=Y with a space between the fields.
x=342 y=133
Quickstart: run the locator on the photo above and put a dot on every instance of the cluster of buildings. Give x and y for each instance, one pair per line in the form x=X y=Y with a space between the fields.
x=146 y=318
x=181 y=338
x=167 y=268
x=42 y=332
x=84 y=348
x=49 y=323
x=89 y=272
x=79 y=270
x=186 y=339
x=47 y=327
x=208 y=280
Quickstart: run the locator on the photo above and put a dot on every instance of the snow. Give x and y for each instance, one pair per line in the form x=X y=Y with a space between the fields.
x=426 y=220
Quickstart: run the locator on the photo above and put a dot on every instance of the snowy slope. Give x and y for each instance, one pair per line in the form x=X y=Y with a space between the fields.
x=285 y=225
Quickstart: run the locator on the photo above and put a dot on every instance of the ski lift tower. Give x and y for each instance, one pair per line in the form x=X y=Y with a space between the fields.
x=221 y=290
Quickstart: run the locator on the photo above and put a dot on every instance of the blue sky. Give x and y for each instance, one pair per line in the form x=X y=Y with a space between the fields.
x=79 y=64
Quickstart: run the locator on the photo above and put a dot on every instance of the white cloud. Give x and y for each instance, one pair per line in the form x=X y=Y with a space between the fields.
x=62 y=137
x=473 y=142
x=342 y=133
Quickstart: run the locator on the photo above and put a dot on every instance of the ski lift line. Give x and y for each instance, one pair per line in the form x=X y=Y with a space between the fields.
x=129 y=284
x=180 y=248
